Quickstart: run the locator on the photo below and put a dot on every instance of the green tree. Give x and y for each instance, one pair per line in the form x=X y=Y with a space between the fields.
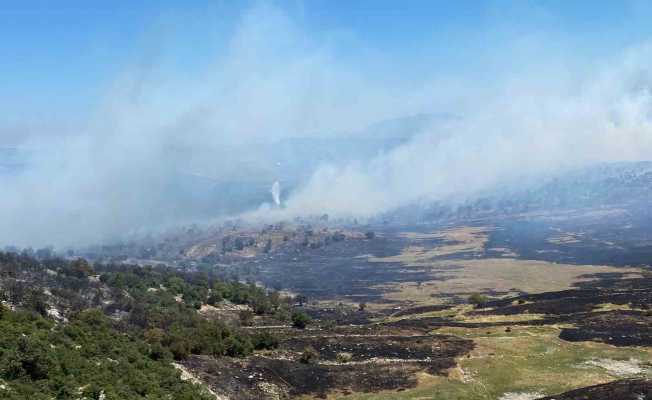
x=477 y=299
x=300 y=319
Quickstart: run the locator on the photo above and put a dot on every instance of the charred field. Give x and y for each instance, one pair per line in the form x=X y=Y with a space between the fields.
x=490 y=307
x=525 y=305
x=376 y=362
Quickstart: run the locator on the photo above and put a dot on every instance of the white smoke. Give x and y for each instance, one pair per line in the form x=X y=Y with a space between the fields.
x=276 y=193
x=523 y=130
x=109 y=174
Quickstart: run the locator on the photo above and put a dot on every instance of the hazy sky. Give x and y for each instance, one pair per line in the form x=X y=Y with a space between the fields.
x=120 y=103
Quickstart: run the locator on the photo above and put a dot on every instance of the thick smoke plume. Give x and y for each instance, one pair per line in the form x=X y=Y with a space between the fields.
x=127 y=168
x=522 y=132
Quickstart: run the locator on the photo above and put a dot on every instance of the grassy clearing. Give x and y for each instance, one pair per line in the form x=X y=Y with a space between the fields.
x=616 y=307
x=500 y=318
x=456 y=240
x=459 y=277
x=527 y=359
x=461 y=313
x=453 y=312
x=498 y=274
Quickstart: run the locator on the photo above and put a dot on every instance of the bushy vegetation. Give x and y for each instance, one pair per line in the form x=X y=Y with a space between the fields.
x=85 y=358
x=163 y=301
x=478 y=299
x=112 y=330
x=300 y=319
x=309 y=355
x=344 y=357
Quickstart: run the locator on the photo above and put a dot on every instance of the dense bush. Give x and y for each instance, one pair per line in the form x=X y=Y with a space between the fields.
x=86 y=358
x=300 y=319
x=153 y=320
x=264 y=341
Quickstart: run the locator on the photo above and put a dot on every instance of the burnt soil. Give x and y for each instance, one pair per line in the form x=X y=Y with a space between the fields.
x=627 y=389
x=262 y=378
x=443 y=348
x=619 y=238
x=387 y=356
x=249 y=378
x=580 y=307
x=378 y=362
x=619 y=328
x=342 y=269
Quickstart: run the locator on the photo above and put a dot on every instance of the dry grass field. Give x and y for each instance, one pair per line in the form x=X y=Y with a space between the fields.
x=457 y=268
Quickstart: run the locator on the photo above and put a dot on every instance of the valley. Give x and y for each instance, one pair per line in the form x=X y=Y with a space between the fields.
x=494 y=308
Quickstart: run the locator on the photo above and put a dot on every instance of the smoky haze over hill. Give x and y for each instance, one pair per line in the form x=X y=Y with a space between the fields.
x=279 y=104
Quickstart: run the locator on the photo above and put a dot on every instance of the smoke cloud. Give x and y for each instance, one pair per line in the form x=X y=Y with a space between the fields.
x=527 y=129
x=135 y=163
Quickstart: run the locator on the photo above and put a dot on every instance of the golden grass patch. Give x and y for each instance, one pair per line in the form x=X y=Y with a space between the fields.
x=456 y=240
x=507 y=275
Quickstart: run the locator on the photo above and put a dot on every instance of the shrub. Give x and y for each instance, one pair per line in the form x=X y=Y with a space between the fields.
x=180 y=350
x=283 y=315
x=329 y=324
x=154 y=335
x=261 y=305
x=264 y=341
x=301 y=299
x=477 y=299
x=300 y=319
x=246 y=318
x=214 y=298
x=344 y=357
x=309 y=355
x=238 y=347
x=158 y=352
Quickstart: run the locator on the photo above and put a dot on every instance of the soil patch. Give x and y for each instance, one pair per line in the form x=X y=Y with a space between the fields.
x=440 y=350
x=629 y=389
x=259 y=378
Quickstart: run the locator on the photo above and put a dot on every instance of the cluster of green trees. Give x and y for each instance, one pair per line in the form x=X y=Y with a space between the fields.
x=126 y=324
x=162 y=304
x=85 y=358
x=195 y=288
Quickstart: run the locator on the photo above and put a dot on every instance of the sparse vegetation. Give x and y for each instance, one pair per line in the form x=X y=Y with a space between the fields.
x=532 y=359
